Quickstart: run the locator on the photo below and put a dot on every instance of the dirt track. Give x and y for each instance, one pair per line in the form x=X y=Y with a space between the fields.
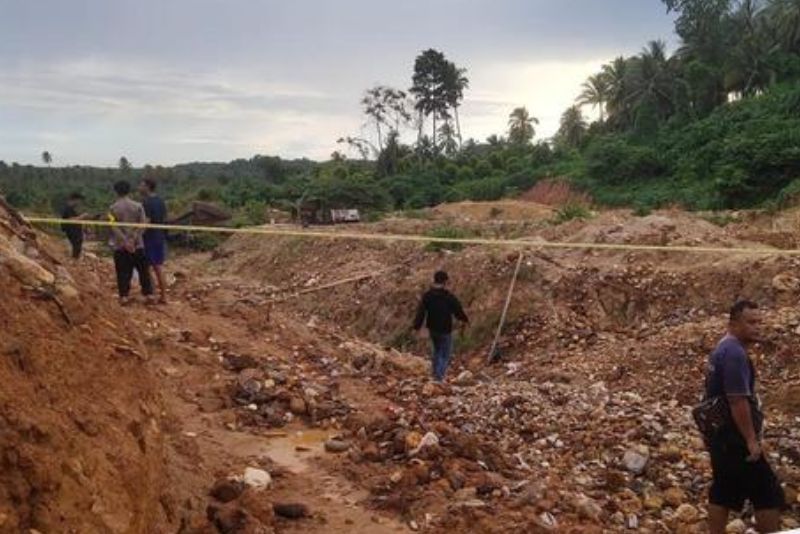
x=602 y=356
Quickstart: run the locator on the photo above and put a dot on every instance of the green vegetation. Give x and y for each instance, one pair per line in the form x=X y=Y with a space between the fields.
x=571 y=212
x=720 y=219
x=714 y=126
x=447 y=232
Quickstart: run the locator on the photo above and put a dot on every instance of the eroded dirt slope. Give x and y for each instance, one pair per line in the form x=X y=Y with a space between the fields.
x=80 y=445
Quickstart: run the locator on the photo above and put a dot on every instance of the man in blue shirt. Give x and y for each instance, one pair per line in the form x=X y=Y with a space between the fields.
x=740 y=470
x=155 y=239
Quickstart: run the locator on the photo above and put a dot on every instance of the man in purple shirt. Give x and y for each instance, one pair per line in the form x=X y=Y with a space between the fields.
x=740 y=470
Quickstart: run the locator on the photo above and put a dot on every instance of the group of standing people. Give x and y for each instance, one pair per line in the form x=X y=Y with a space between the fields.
x=135 y=249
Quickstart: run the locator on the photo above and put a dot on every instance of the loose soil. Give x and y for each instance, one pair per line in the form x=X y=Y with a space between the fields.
x=123 y=420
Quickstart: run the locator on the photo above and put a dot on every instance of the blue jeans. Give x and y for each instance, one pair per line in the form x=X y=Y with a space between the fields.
x=442 y=350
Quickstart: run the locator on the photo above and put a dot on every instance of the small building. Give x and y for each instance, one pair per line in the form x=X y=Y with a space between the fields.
x=345 y=216
x=201 y=214
x=314 y=211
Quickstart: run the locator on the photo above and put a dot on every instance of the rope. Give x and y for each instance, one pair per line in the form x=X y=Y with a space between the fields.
x=511 y=243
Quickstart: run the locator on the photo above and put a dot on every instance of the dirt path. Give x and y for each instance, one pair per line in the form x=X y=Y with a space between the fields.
x=208 y=442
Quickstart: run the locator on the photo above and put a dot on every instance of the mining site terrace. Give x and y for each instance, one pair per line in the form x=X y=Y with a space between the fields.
x=280 y=390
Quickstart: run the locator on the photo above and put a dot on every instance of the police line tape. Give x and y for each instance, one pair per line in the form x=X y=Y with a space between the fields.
x=511 y=243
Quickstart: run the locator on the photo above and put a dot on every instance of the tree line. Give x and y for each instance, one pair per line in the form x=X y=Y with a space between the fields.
x=714 y=124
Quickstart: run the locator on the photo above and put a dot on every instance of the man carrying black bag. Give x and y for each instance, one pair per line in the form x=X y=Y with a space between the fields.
x=740 y=470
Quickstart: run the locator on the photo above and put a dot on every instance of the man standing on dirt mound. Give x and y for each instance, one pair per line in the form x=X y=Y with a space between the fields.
x=740 y=469
x=128 y=244
x=436 y=311
x=155 y=239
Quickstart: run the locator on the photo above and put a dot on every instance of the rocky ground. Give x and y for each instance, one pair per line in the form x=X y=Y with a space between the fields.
x=276 y=407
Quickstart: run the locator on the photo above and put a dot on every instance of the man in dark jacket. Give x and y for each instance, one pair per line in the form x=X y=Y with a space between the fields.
x=436 y=311
x=740 y=469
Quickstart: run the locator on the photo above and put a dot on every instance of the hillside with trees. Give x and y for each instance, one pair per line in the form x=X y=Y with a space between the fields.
x=713 y=125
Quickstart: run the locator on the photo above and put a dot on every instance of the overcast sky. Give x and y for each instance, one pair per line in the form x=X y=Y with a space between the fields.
x=168 y=81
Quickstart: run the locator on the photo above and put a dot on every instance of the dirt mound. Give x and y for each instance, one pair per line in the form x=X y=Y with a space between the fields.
x=80 y=445
x=506 y=210
x=596 y=289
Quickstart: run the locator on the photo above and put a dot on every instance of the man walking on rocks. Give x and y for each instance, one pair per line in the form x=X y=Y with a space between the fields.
x=740 y=469
x=436 y=311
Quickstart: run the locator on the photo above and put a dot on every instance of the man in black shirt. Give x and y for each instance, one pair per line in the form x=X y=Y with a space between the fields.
x=436 y=311
x=74 y=232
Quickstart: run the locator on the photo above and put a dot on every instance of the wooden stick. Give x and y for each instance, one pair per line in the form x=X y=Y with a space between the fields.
x=337 y=283
x=505 y=309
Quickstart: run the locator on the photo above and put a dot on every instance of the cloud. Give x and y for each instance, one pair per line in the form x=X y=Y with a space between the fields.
x=166 y=81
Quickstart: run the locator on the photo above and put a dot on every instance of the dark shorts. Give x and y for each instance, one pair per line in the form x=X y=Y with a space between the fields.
x=737 y=480
x=76 y=241
x=156 y=250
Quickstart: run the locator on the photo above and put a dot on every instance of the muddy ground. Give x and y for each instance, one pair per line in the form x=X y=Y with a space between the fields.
x=146 y=419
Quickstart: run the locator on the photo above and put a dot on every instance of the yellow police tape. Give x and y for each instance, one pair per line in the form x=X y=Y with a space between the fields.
x=513 y=243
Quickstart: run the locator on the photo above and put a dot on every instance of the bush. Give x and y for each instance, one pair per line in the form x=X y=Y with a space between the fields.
x=483 y=190
x=570 y=212
x=614 y=160
x=423 y=215
x=720 y=219
x=446 y=232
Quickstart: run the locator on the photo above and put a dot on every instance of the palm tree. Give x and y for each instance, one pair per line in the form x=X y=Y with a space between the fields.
x=47 y=158
x=784 y=16
x=521 y=126
x=573 y=127
x=748 y=69
x=618 y=78
x=653 y=87
x=595 y=93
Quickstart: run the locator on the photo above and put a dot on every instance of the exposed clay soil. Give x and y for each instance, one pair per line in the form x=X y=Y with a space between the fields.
x=123 y=420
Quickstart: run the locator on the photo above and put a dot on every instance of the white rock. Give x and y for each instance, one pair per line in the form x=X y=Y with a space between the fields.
x=736 y=527
x=428 y=440
x=464 y=379
x=257 y=478
x=635 y=460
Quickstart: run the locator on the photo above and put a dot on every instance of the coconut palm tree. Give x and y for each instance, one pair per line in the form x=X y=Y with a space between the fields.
x=573 y=128
x=618 y=77
x=595 y=93
x=521 y=126
x=784 y=17
x=748 y=68
x=653 y=81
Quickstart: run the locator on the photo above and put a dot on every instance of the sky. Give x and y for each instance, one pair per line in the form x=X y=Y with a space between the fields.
x=171 y=81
